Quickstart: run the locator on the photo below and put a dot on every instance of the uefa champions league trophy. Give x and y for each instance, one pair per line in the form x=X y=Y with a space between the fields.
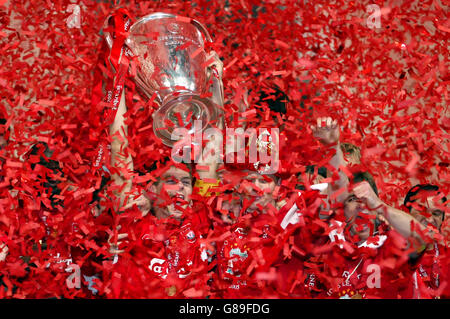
x=171 y=64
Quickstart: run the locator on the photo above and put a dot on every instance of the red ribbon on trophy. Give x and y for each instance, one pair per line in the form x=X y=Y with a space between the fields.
x=117 y=63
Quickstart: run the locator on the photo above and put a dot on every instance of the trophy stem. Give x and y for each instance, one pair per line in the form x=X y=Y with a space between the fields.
x=180 y=111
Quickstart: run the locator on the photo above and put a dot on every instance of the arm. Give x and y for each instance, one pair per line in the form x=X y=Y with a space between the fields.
x=402 y=222
x=119 y=131
x=208 y=158
x=328 y=134
x=399 y=220
x=218 y=98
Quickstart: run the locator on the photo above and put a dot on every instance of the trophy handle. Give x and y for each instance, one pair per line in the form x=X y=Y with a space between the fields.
x=106 y=34
x=217 y=81
x=202 y=29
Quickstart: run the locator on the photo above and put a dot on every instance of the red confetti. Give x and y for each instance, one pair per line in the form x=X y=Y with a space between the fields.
x=386 y=85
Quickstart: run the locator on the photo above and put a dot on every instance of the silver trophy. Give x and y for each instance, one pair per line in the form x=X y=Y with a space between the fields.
x=171 y=64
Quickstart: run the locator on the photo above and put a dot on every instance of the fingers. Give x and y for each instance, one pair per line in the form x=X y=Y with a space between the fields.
x=325 y=122
x=114 y=247
x=141 y=202
x=122 y=236
x=382 y=219
x=361 y=185
x=119 y=236
x=331 y=123
x=130 y=204
x=364 y=191
x=359 y=193
x=115 y=251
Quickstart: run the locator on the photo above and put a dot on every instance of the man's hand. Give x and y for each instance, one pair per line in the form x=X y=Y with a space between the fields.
x=211 y=153
x=142 y=203
x=114 y=247
x=327 y=130
x=365 y=192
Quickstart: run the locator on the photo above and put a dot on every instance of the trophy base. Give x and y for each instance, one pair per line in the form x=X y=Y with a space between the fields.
x=181 y=112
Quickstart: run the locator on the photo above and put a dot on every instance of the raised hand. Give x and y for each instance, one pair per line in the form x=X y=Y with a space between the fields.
x=142 y=203
x=365 y=192
x=326 y=130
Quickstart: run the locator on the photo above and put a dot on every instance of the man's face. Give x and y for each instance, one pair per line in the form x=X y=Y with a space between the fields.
x=261 y=192
x=429 y=211
x=178 y=185
x=354 y=210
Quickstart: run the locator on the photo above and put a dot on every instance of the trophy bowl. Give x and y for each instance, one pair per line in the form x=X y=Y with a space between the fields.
x=170 y=57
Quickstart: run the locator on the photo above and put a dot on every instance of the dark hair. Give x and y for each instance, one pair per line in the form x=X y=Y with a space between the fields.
x=96 y=194
x=409 y=198
x=274 y=98
x=365 y=176
x=322 y=171
x=51 y=184
x=45 y=153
